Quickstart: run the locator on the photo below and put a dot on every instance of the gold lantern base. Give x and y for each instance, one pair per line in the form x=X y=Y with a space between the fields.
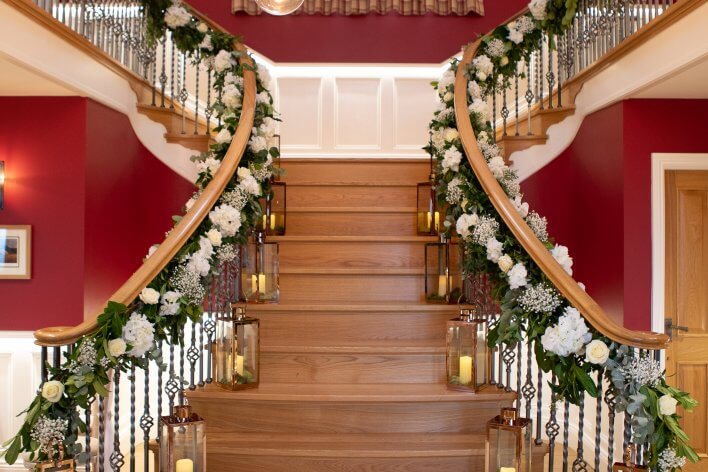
x=59 y=464
x=629 y=465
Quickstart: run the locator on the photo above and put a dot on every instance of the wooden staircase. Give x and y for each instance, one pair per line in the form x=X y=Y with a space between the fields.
x=352 y=359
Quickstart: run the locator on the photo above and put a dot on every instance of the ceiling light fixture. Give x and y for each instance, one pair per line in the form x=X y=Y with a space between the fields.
x=279 y=7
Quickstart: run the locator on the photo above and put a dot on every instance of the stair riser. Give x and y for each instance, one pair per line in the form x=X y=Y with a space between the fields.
x=305 y=329
x=350 y=196
x=227 y=463
x=346 y=417
x=351 y=255
x=351 y=224
x=301 y=288
x=352 y=368
x=389 y=172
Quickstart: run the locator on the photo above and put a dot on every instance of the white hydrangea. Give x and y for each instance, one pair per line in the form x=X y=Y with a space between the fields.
x=447 y=79
x=485 y=229
x=227 y=219
x=560 y=254
x=481 y=108
x=495 y=47
x=264 y=75
x=223 y=137
x=208 y=165
x=568 y=336
x=176 y=16
x=538 y=9
x=438 y=139
x=170 y=303
x=515 y=36
x=521 y=206
x=474 y=89
x=263 y=97
x=497 y=166
x=483 y=66
x=495 y=249
x=464 y=223
x=247 y=182
x=224 y=60
x=257 y=143
x=517 y=276
x=231 y=96
x=233 y=79
x=268 y=127
x=199 y=261
x=451 y=160
x=206 y=43
x=139 y=333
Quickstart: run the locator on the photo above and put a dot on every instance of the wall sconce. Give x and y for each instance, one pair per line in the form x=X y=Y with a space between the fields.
x=2 y=184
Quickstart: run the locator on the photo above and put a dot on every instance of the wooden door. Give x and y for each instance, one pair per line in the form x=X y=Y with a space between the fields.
x=687 y=297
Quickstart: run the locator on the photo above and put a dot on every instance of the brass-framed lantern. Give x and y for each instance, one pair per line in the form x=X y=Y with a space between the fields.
x=443 y=278
x=237 y=347
x=59 y=464
x=260 y=279
x=508 y=444
x=468 y=359
x=429 y=215
x=629 y=462
x=183 y=441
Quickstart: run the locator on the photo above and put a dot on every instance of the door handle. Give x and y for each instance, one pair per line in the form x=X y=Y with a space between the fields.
x=670 y=327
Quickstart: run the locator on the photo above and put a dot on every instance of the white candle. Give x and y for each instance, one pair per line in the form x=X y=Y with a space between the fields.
x=272 y=221
x=465 y=370
x=442 y=285
x=264 y=222
x=507 y=469
x=254 y=283
x=429 y=219
x=258 y=283
x=239 y=365
x=184 y=465
x=437 y=221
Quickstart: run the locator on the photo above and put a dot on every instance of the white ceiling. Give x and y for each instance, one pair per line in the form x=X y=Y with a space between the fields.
x=16 y=80
x=690 y=82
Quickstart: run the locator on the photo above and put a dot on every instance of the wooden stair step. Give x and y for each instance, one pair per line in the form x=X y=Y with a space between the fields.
x=385 y=363
x=350 y=196
x=323 y=270
x=351 y=209
x=300 y=288
x=351 y=224
x=348 y=408
x=510 y=144
x=370 y=172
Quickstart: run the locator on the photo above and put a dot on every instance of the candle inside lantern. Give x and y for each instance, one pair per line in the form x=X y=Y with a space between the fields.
x=239 y=365
x=507 y=469
x=272 y=221
x=265 y=222
x=258 y=284
x=442 y=285
x=184 y=465
x=437 y=221
x=465 y=370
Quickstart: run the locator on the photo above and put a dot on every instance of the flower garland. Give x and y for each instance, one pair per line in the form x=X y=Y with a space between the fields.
x=531 y=308
x=129 y=335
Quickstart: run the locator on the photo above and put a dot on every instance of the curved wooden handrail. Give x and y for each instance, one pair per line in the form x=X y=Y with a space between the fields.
x=59 y=336
x=570 y=289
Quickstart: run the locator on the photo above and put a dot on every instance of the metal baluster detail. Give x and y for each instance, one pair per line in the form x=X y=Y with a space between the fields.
x=611 y=401
x=492 y=367
x=196 y=95
x=44 y=359
x=519 y=353
x=172 y=387
x=87 y=435
x=494 y=117
x=159 y=400
x=529 y=93
x=509 y=356
x=566 y=422
x=579 y=464
x=146 y=421
x=516 y=101
x=182 y=372
x=500 y=372
x=193 y=355
x=132 y=418
x=540 y=72
x=183 y=95
x=504 y=109
x=528 y=390
x=163 y=73
x=208 y=111
x=57 y=357
x=117 y=459
x=627 y=430
x=172 y=76
x=598 y=420
x=539 y=408
x=550 y=77
x=101 y=434
x=552 y=427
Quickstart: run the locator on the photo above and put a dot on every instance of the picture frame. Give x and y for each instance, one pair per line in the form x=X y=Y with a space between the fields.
x=15 y=251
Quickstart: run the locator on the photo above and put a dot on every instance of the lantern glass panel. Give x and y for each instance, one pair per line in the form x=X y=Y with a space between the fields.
x=276 y=219
x=183 y=448
x=260 y=272
x=467 y=353
x=442 y=272
x=508 y=446
x=237 y=350
x=429 y=218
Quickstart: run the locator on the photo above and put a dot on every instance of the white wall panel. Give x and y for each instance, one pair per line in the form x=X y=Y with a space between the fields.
x=300 y=107
x=413 y=103
x=357 y=120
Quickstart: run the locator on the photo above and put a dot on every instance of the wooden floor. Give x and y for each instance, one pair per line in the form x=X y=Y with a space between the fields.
x=352 y=359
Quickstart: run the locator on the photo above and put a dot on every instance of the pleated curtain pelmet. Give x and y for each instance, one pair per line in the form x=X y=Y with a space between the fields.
x=364 y=7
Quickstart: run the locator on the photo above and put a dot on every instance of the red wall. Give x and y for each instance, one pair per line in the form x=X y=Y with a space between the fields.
x=97 y=199
x=388 y=38
x=597 y=196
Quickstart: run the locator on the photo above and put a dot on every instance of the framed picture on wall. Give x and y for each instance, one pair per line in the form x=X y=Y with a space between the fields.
x=15 y=252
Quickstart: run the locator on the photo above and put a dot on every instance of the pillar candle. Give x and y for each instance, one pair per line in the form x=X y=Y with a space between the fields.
x=465 y=369
x=442 y=286
x=507 y=469
x=184 y=465
x=429 y=220
x=239 y=365
x=272 y=221
x=264 y=222
x=437 y=221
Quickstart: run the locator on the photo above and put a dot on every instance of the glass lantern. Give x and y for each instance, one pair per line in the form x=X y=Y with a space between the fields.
x=260 y=271
x=183 y=443
x=508 y=445
x=442 y=271
x=60 y=464
x=467 y=354
x=429 y=216
x=629 y=464
x=237 y=350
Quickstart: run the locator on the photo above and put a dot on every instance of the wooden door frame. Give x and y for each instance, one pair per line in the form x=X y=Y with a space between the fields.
x=660 y=163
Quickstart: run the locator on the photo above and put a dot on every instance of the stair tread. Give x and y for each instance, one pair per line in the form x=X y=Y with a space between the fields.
x=352 y=209
x=324 y=270
x=359 y=393
x=354 y=238
x=396 y=346
x=348 y=445
x=352 y=307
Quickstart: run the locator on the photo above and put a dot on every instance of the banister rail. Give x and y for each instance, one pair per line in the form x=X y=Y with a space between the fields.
x=590 y=309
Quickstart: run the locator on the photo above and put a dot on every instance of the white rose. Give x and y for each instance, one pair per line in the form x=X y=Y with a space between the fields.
x=150 y=296
x=463 y=224
x=597 y=352
x=451 y=160
x=481 y=76
x=448 y=96
x=52 y=390
x=224 y=136
x=504 y=61
x=505 y=263
x=214 y=236
x=451 y=134
x=667 y=405
x=116 y=347
x=202 y=27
